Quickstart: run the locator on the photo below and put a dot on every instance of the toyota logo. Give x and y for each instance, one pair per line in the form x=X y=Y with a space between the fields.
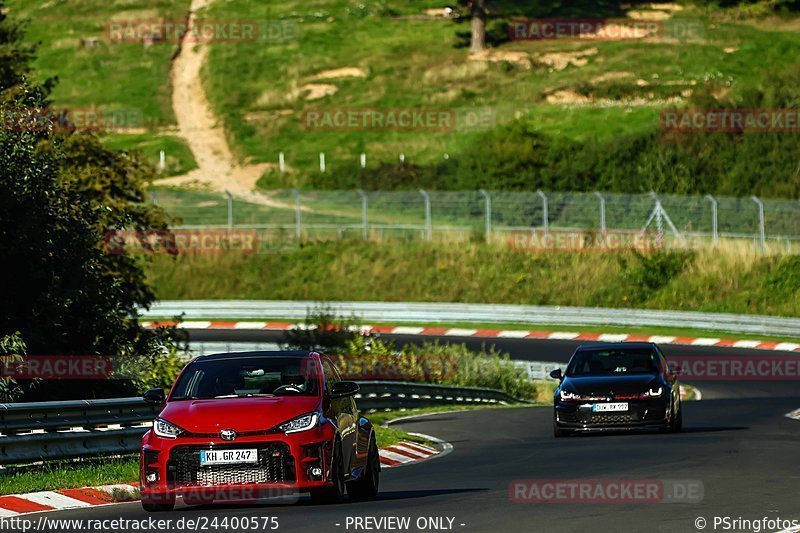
x=227 y=434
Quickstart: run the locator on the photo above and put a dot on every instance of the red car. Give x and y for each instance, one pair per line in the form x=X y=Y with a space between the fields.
x=245 y=425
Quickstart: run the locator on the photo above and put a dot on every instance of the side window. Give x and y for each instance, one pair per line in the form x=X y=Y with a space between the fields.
x=662 y=360
x=330 y=374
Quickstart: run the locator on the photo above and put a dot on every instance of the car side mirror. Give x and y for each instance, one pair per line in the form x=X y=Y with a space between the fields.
x=556 y=374
x=343 y=389
x=155 y=396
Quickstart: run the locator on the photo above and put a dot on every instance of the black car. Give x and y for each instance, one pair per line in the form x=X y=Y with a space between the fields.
x=619 y=386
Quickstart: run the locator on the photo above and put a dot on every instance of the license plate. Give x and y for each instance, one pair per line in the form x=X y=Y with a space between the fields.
x=603 y=407
x=227 y=457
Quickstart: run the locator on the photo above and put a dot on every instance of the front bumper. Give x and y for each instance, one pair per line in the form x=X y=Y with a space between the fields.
x=641 y=414
x=287 y=463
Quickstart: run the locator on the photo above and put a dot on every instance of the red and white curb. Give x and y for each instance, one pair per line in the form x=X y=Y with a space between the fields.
x=492 y=333
x=405 y=452
x=66 y=499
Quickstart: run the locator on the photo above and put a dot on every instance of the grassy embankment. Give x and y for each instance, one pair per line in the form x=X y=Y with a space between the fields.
x=735 y=280
x=127 y=82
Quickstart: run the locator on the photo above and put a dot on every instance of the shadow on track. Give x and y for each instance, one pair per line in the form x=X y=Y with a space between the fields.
x=306 y=501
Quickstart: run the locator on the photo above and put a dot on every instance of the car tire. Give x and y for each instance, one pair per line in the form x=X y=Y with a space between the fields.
x=335 y=493
x=366 y=488
x=677 y=421
x=675 y=424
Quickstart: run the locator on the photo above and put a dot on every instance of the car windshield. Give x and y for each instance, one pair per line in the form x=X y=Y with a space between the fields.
x=609 y=362
x=248 y=377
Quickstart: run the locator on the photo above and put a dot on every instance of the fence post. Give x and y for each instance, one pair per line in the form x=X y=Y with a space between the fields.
x=363 y=160
x=602 y=212
x=365 y=227
x=281 y=162
x=298 y=216
x=714 y=219
x=428 y=223
x=322 y=162
x=488 y=200
x=761 y=225
x=230 y=208
x=545 y=216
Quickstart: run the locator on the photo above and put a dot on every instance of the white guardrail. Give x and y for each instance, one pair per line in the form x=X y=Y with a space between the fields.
x=427 y=313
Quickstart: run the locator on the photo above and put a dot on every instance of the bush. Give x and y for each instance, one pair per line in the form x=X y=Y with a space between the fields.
x=365 y=356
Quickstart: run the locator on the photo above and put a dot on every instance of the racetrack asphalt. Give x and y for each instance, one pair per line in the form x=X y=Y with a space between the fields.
x=737 y=443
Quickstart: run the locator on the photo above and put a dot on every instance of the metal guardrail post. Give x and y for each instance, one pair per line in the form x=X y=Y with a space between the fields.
x=230 y=209
x=714 y=219
x=428 y=221
x=488 y=205
x=298 y=215
x=761 y=224
x=545 y=215
x=602 y=200
x=365 y=227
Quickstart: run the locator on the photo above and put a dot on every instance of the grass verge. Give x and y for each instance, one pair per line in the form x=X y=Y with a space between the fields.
x=54 y=475
x=728 y=281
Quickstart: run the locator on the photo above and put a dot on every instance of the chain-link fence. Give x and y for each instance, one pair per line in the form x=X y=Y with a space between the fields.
x=537 y=219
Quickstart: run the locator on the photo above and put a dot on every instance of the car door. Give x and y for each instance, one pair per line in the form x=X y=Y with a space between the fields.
x=343 y=411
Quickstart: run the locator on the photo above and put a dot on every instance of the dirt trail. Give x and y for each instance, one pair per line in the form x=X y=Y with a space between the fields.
x=199 y=127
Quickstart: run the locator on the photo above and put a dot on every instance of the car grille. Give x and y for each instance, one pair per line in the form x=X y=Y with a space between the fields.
x=608 y=419
x=275 y=465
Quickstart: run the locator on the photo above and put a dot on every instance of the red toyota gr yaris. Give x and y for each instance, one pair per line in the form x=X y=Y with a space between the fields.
x=245 y=425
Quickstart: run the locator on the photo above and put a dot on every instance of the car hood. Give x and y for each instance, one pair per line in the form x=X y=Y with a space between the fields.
x=240 y=414
x=610 y=385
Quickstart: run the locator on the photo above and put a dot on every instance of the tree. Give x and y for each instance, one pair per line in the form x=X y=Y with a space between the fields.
x=61 y=192
x=478 y=12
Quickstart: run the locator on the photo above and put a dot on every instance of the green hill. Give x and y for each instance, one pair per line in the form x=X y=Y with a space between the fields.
x=560 y=114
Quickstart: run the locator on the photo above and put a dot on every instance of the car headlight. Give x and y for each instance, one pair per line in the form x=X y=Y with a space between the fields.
x=301 y=423
x=654 y=393
x=164 y=429
x=566 y=395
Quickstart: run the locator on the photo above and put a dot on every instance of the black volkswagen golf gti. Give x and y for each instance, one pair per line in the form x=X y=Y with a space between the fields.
x=620 y=386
